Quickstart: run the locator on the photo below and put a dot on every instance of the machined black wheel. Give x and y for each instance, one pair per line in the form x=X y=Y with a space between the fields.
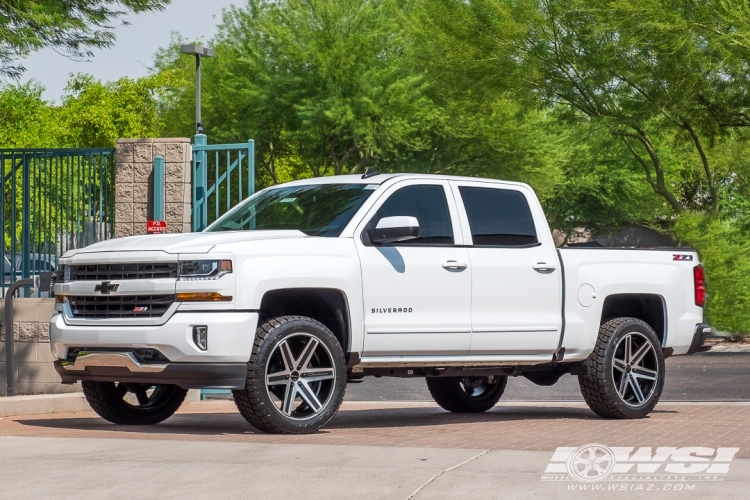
x=467 y=394
x=296 y=377
x=133 y=404
x=626 y=370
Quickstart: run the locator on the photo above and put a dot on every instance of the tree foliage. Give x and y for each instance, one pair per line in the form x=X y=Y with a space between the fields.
x=72 y=27
x=91 y=114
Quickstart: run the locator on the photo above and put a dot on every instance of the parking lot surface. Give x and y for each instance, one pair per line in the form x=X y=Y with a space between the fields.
x=384 y=450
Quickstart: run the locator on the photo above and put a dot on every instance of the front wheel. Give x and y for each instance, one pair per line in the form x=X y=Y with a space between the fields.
x=467 y=394
x=146 y=405
x=625 y=372
x=296 y=377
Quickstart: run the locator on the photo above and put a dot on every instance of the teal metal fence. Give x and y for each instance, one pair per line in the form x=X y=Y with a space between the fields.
x=223 y=176
x=52 y=200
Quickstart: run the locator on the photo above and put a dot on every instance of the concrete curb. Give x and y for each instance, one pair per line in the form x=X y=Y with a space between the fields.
x=729 y=348
x=55 y=403
x=43 y=403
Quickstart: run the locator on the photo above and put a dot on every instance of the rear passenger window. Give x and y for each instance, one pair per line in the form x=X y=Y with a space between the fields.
x=428 y=204
x=498 y=217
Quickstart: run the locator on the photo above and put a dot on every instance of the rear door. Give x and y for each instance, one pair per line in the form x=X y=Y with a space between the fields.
x=417 y=293
x=516 y=280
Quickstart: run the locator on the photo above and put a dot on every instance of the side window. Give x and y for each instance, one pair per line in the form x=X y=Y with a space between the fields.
x=428 y=204
x=498 y=217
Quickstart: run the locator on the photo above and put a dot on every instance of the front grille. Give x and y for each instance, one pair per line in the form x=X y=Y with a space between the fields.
x=120 y=306
x=104 y=272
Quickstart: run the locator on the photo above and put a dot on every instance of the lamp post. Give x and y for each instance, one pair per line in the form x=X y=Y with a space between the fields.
x=198 y=52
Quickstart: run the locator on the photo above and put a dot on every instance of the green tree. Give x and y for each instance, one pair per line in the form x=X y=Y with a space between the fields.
x=96 y=114
x=27 y=119
x=91 y=114
x=323 y=81
x=72 y=27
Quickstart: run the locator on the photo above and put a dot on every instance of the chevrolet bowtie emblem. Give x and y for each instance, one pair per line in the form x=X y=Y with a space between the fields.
x=106 y=287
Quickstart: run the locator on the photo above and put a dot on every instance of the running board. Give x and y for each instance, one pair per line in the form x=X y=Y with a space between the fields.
x=470 y=360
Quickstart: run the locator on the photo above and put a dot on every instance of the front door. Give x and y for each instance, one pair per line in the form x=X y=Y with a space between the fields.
x=516 y=280
x=417 y=293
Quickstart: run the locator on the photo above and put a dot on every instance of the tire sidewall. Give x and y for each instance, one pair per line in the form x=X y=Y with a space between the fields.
x=625 y=409
x=268 y=346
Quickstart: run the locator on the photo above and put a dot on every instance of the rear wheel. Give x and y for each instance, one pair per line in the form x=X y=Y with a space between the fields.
x=626 y=370
x=467 y=394
x=133 y=404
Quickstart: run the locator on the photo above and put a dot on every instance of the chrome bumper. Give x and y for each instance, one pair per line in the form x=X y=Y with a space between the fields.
x=127 y=360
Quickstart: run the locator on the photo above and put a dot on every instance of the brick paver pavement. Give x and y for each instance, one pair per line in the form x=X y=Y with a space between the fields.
x=509 y=426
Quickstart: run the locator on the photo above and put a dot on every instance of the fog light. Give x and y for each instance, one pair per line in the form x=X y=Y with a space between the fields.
x=200 y=337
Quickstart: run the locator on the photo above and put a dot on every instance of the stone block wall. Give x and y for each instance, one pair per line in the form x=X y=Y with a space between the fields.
x=134 y=181
x=33 y=369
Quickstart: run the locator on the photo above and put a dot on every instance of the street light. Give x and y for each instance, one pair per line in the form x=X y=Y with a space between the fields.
x=198 y=51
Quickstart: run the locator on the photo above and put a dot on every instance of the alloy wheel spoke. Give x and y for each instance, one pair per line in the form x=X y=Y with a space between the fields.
x=640 y=354
x=142 y=397
x=290 y=395
x=643 y=373
x=286 y=356
x=623 y=385
x=628 y=349
x=317 y=374
x=278 y=378
x=308 y=395
x=307 y=354
x=636 y=389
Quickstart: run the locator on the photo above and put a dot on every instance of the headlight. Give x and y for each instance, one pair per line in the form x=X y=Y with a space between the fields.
x=63 y=274
x=200 y=270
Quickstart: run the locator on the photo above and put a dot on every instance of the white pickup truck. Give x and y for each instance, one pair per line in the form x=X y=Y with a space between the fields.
x=307 y=285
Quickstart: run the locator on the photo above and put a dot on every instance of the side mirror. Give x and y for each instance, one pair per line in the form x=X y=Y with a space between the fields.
x=393 y=229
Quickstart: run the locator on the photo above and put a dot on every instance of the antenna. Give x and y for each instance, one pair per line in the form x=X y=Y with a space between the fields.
x=370 y=172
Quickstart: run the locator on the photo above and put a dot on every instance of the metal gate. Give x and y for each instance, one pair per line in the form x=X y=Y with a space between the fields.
x=52 y=200
x=223 y=176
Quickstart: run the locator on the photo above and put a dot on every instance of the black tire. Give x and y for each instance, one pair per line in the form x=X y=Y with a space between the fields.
x=107 y=400
x=467 y=394
x=264 y=406
x=602 y=385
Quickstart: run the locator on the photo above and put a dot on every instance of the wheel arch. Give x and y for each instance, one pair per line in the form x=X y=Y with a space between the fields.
x=330 y=306
x=647 y=307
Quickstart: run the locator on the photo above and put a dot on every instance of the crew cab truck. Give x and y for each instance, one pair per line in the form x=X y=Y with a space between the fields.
x=307 y=285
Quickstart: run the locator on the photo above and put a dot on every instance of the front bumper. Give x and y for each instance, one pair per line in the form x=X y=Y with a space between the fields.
x=230 y=337
x=699 y=338
x=124 y=367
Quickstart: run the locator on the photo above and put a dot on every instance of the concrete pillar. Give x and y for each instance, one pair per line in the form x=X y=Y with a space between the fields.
x=134 y=184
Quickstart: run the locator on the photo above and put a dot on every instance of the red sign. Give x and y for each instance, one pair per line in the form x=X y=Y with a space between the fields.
x=156 y=226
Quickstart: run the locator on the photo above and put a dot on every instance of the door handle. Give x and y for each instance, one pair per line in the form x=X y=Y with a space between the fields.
x=454 y=265
x=543 y=267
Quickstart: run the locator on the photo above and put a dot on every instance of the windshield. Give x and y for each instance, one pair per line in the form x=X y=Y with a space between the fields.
x=316 y=210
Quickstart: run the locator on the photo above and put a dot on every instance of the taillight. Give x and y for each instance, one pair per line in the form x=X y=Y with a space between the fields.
x=699 y=281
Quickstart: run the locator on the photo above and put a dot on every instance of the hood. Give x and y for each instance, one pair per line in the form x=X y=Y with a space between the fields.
x=183 y=243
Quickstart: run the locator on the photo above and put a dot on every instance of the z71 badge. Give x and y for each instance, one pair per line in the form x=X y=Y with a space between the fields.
x=679 y=256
